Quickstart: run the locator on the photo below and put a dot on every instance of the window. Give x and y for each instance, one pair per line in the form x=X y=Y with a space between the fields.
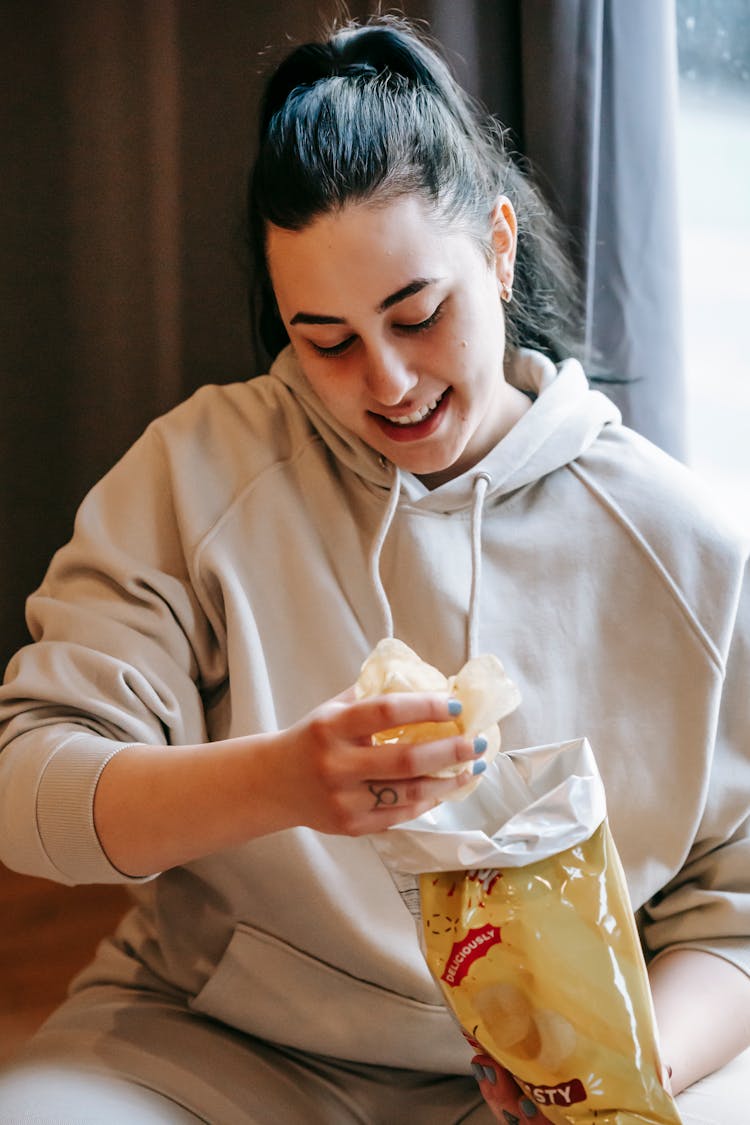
x=714 y=179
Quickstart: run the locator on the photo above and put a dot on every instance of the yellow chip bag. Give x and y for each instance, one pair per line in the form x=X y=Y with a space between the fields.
x=542 y=966
x=524 y=914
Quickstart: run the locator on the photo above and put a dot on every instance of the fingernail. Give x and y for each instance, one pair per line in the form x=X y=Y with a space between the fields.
x=527 y=1106
x=479 y=767
x=490 y=1075
x=454 y=707
x=480 y=744
x=478 y=1072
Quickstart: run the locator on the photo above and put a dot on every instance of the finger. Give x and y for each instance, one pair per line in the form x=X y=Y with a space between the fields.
x=360 y=720
x=380 y=819
x=502 y=1093
x=666 y=1077
x=417 y=759
x=385 y=795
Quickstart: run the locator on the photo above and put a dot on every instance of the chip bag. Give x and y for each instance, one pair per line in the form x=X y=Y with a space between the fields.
x=527 y=928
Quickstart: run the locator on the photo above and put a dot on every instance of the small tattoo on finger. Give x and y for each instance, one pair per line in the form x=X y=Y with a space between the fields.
x=386 y=795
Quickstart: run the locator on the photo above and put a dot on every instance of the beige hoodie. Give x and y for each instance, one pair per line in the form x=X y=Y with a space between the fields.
x=233 y=571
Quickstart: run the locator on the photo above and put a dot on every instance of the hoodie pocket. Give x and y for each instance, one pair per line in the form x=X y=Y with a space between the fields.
x=268 y=988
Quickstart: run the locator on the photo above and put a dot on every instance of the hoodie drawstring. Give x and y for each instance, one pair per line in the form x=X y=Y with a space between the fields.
x=376 y=551
x=481 y=484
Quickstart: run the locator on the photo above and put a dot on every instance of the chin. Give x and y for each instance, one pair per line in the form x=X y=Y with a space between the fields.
x=442 y=470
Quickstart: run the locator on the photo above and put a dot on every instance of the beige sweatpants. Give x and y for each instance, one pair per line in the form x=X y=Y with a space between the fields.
x=112 y=1056
x=115 y=1056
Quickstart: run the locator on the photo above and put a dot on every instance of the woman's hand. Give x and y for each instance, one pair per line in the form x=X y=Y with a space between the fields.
x=503 y=1095
x=336 y=781
x=156 y=807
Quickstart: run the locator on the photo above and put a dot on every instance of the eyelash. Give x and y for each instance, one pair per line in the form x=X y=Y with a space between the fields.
x=422 y=326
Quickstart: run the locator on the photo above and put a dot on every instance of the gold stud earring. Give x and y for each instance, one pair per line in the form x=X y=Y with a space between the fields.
x=506 y=292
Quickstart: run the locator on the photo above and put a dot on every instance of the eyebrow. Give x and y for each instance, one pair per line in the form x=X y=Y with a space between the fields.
x=415 y=286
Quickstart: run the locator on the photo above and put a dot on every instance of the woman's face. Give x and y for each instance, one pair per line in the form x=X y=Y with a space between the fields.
x=398 y=326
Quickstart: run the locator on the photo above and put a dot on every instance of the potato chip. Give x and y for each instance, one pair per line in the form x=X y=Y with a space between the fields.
x=484 y=690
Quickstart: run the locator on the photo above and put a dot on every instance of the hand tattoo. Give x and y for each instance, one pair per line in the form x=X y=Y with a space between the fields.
x=385 y=796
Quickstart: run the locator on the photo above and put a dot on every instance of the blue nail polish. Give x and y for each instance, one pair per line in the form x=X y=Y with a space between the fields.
x=527 y=1106
x=478 y=1072
x=479 y=767
x=454 y=707
x=480 y=744
x=490 y=1075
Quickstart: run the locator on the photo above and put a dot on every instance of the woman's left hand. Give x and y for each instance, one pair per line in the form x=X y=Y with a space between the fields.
x=503 y=1095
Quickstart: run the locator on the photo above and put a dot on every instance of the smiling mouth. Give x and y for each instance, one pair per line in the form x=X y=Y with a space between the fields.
x=417 y=415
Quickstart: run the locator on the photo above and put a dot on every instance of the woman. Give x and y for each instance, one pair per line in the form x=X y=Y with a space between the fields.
x=241 y=561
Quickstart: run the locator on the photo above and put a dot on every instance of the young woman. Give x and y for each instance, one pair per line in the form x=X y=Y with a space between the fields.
x=422 y=427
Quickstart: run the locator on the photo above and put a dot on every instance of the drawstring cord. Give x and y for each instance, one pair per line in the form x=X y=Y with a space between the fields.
x=376 y=550
x=481 y=484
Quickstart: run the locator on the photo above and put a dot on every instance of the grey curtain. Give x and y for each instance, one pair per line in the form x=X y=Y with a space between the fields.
x=124 y=137
x=599 y=88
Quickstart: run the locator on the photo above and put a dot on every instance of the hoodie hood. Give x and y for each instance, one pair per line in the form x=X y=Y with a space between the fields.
x=565 y=418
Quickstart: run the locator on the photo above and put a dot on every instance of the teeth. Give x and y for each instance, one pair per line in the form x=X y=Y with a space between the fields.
x=417 y=415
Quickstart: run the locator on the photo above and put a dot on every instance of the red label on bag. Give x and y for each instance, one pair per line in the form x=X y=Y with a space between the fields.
x=565 y=1093
x=476 y=944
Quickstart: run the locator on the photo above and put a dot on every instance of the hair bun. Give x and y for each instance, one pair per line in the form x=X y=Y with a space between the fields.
x=385 y=49
x=360 y=69
x=354 y=52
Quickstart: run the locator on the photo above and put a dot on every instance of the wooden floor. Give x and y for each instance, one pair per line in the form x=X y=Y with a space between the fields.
x=47 y=933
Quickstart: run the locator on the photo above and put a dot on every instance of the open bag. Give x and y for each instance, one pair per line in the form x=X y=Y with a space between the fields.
x=527 y=927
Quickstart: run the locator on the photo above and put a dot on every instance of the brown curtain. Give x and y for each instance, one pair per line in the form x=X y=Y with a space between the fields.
x=124 y=140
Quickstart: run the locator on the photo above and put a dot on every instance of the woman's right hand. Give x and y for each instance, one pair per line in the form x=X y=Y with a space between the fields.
x=158 y=807
x=337 y=782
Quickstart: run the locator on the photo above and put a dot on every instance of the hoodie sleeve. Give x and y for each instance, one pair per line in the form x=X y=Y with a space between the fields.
x=707 y=904
x=122 y=648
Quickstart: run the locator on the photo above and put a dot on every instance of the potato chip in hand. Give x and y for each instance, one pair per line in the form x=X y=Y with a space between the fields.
x=482 y=687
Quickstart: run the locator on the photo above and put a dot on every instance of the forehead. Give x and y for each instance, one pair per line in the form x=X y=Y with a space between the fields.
x=363 y=249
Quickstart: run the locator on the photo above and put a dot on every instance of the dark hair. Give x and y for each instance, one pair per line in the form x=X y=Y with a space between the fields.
x=372 y=113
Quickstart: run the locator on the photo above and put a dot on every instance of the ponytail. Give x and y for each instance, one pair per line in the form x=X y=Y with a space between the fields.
x=374 y=113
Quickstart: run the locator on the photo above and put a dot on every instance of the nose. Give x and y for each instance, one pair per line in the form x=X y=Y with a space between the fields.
x=389 y=378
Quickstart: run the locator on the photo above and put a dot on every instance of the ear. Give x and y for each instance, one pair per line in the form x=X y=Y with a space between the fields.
x=503 y=233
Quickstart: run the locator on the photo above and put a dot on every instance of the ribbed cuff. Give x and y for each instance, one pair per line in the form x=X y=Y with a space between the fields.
x=65 y=810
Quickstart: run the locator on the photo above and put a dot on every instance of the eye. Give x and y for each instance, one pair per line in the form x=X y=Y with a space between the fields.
x=337 y=349
x=423 y=324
